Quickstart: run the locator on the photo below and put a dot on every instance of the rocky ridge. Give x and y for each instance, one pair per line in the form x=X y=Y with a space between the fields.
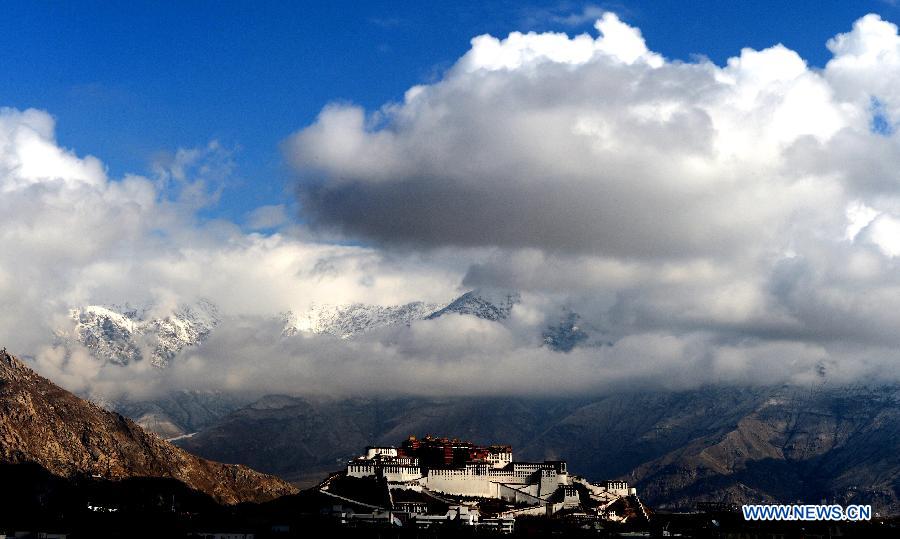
x=43 y=424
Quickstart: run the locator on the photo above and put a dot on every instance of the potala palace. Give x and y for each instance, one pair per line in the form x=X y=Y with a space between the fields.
x=436 y=480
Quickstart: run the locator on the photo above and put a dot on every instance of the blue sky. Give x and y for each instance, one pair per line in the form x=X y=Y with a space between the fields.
x=130 y=82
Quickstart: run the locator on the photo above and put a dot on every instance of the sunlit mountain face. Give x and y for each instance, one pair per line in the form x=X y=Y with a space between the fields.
x=73 y=438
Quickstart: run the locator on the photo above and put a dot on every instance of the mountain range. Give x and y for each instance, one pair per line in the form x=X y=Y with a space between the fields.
x=710 y=444
x=126 y=334
x=723 y=444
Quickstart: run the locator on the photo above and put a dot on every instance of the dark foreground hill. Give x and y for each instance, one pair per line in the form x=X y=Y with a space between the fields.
x=71 y=438
x=727 y=444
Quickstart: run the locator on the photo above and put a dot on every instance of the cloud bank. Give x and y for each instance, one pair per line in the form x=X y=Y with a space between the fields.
x=710 y=224
x=751 y=204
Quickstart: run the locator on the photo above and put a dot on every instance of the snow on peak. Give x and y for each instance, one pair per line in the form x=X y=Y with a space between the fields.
x=487 y=304
x=125 y=334
x=346 y=321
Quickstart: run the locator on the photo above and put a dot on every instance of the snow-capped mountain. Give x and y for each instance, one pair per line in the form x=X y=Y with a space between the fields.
x=495 y=305
x=346 y=321
x=565 y=335
x=123 y=335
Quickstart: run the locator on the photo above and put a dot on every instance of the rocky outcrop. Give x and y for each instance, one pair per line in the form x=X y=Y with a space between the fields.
x=68 y=436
